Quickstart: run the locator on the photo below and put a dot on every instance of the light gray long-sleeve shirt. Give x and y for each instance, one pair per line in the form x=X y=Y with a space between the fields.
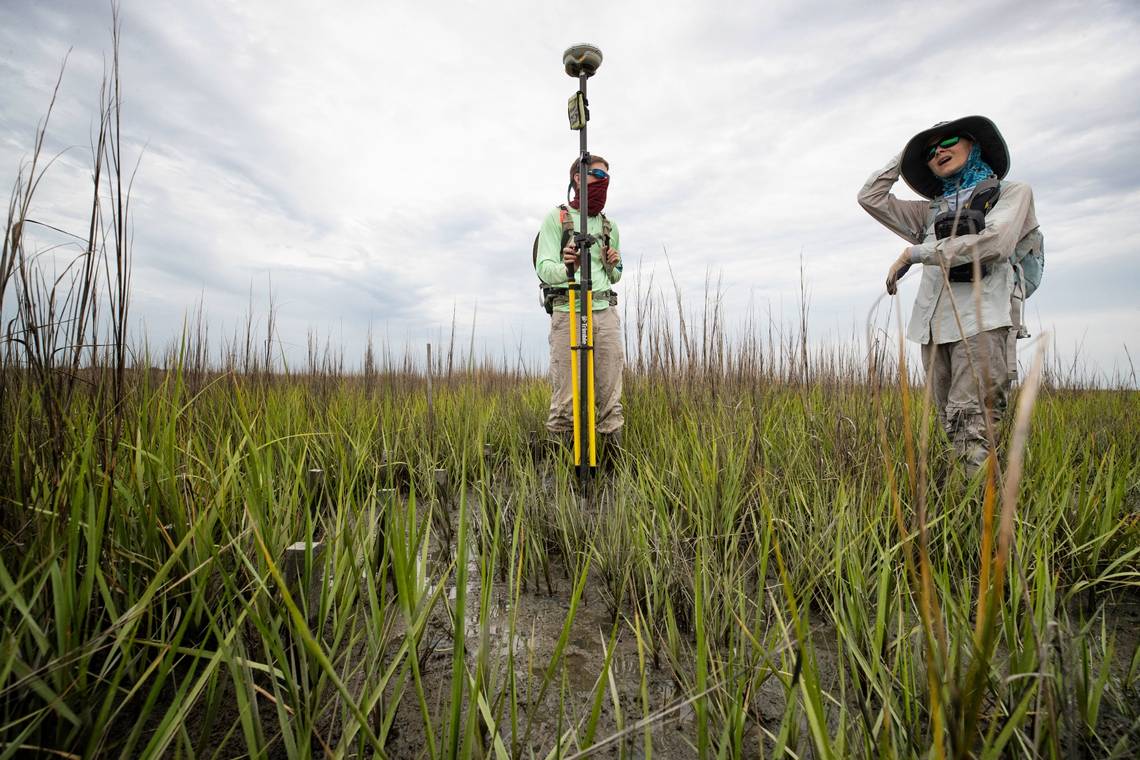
x=947 y=312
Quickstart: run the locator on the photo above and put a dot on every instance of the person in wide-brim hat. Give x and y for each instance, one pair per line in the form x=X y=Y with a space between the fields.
x=967 y=309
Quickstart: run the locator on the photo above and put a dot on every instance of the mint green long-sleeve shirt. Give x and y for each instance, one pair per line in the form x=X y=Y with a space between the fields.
x=552 y=271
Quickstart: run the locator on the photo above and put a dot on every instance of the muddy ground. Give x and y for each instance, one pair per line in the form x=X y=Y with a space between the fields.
x=566 y=704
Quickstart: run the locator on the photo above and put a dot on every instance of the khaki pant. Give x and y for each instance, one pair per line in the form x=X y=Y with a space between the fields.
x=964 y=391
x=609 y=359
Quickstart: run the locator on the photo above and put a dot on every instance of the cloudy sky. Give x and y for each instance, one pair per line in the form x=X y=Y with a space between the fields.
x=389 y=162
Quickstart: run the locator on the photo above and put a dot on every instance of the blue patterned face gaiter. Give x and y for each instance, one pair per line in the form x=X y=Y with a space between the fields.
x=969 y=175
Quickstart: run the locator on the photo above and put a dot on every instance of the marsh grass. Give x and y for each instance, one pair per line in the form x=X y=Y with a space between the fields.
x=753 y=546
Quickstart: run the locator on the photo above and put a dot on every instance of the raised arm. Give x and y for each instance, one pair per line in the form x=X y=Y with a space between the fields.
x=905 y=218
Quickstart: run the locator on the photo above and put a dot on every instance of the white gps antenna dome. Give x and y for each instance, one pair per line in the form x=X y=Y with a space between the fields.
x=582 y=59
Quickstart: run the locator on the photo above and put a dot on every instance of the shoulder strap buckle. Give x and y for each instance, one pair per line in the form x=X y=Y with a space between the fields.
x=985 y=195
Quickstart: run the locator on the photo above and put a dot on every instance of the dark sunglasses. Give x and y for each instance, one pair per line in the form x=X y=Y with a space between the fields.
x=597 y=173
x=946 y=142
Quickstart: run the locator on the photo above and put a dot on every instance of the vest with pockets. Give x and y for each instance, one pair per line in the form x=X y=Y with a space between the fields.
x=1028 y=257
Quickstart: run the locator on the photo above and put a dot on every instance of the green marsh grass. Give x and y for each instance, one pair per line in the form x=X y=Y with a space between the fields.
x=748 y=549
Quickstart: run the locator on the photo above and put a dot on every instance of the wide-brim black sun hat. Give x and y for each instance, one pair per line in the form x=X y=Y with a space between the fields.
x=978 y=128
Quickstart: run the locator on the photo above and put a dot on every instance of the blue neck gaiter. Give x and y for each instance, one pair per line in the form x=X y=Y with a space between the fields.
x=969 y=175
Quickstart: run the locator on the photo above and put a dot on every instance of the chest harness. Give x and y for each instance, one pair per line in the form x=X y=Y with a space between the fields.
x=555 y=295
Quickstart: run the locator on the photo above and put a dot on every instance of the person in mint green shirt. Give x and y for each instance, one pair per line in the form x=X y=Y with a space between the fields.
x=606 y=268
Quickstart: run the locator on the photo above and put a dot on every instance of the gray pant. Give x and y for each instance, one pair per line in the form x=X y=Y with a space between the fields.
x=969 y=379
x=609 y=360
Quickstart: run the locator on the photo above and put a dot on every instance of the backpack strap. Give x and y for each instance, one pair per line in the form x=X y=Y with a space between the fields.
x=567 y=225
x=607 y=228
x=985 y=195
x=568 y=232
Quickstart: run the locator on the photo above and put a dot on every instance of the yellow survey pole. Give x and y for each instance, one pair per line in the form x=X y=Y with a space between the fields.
x=581 y=61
